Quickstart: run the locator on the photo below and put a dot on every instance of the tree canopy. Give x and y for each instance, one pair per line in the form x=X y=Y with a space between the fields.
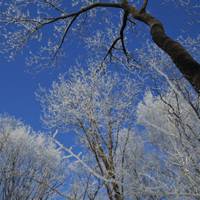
x=30 y=165
x=123 y=122
x=30 y=18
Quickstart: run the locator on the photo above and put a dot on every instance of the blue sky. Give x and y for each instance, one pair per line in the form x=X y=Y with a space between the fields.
x=17 y=86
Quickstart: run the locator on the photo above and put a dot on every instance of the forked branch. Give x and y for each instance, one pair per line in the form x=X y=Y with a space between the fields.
x=119 y=38
x=144 y=6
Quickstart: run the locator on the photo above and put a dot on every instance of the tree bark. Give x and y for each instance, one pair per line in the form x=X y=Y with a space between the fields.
x=180 y=57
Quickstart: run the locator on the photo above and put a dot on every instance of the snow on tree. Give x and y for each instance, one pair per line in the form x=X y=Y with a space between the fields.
x=31 y=167
x=51 y=21
x=172 y=123
x=98 y=107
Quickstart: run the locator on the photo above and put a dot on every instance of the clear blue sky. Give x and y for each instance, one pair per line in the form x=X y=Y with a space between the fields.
x=17 y=87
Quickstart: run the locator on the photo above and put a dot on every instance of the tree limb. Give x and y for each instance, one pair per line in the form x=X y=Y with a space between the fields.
x=119 y=38
x=144 y=6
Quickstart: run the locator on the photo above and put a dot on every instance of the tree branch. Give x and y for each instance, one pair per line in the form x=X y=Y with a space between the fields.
x=187 y=65
x=64 y=35
x=119 y=38
x=144 y=6
x=83 y=10
x=54 y=6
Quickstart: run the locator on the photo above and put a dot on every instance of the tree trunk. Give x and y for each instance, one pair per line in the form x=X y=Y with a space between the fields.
x=181 y=58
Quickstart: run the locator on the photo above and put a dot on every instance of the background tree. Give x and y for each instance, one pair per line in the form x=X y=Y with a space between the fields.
x=98 y=108
x=95 y=107
x=172 y=123
x=30 y=165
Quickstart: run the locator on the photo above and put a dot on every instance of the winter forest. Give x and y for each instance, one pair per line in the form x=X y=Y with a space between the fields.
x=112 y=109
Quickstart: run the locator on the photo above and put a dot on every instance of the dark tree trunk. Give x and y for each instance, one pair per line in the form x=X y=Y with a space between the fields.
x=181 y=58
